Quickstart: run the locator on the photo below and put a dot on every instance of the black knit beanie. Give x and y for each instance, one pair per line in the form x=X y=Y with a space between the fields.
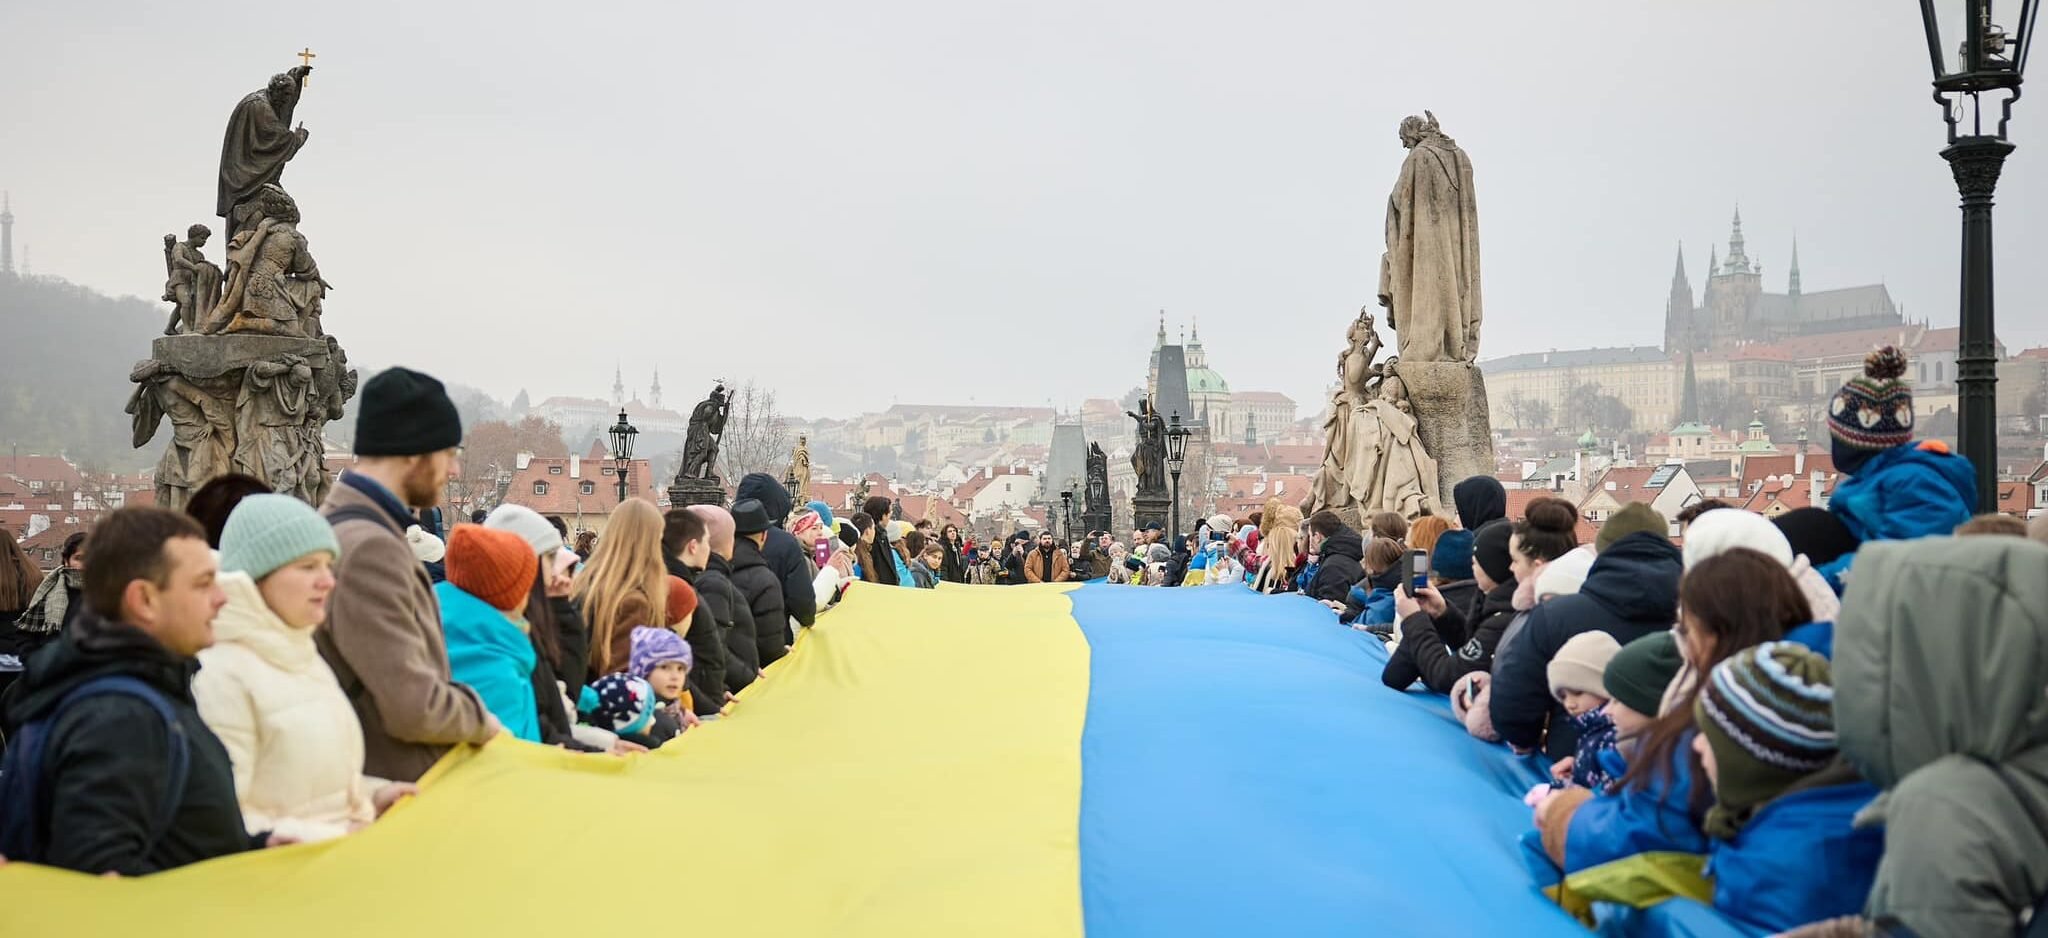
x=1490 y=549
x=406 y=413
x=1817 y=533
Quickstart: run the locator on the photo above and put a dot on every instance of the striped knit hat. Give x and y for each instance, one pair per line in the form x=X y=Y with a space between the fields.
x=1874 y=410
x=1768 y=715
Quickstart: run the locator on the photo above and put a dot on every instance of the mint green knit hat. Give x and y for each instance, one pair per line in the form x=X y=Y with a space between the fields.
x=266 y=532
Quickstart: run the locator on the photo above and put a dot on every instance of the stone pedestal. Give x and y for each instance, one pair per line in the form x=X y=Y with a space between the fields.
x=1449 y=401
x=254 y=404
x=686 y=492
x=1147 y=508
x=1096 y=519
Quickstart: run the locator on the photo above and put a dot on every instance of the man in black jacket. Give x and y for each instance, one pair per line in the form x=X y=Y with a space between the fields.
x=716 y=592
x=757 y=582
x=685 y=549
x=787 y=558
x=1431 y=625
x=110 y=800
x=1339 y=552
x=1631 y=591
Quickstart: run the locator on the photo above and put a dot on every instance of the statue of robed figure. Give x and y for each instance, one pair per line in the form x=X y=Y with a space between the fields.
x=1148 y=458
x=260 y=140
x=700 y=444
x=1429 y=276
x=1374 y=461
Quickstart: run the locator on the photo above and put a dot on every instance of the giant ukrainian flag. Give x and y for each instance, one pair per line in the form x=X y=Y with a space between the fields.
x=1030 y=761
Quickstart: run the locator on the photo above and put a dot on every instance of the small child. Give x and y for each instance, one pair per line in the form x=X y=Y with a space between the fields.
x=622 y=704
x=1575 y=680
x=662 y=659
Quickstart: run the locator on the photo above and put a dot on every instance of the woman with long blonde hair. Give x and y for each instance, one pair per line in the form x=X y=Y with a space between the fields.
x=623 y=585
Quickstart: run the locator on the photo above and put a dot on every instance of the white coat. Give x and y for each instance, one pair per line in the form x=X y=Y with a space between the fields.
x=297 y=748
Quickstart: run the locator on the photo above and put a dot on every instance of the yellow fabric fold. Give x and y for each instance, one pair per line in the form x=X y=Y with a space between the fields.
x=913 y=767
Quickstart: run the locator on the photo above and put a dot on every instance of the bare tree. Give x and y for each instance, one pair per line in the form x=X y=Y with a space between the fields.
x=492 y=448
x=756 y=437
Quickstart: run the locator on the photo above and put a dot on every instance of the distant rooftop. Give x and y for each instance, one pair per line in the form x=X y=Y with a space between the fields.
x=1576 y=358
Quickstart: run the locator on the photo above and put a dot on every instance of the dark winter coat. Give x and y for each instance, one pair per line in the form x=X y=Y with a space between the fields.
x=784 y=555
x=1631 y=591
x=571 y=636
x=1440 y=651
x=1338 y=565
x=762 y=592
x=108 y=757
x=707 y=649
x=715 y=591
x=954 y=569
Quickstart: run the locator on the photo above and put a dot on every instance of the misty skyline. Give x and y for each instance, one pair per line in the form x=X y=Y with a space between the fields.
x=923 y=202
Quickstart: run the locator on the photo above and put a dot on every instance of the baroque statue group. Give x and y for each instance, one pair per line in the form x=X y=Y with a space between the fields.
x=245 y=371
x=1403 y=430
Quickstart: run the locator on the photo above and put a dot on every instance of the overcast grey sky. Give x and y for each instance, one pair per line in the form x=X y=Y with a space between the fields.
x=923 y=202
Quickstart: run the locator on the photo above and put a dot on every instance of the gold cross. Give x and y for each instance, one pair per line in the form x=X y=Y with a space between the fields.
x=307 y=55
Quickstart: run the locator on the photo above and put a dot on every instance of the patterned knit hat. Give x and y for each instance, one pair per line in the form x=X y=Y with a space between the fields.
x=617 y=702
x=1874 y=410
x=1768 y=713
x=495 y=566
x=653 y=648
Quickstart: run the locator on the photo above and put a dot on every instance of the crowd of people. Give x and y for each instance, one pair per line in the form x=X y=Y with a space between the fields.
x=1831 y=721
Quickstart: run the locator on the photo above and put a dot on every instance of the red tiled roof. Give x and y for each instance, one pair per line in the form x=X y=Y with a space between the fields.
x=1628 y=485
x=931 y=507
x=564 y=495
x=1946 y=339
x=1853 y=343
x=2038 y=352
x=2015 y=498
x=44 y=469
x=1755 y=468
x=1783 y=496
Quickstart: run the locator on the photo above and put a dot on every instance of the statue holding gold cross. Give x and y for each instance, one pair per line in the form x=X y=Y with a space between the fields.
x=260 y=140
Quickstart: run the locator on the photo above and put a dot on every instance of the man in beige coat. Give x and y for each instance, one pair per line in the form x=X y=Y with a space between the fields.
x=383 y=631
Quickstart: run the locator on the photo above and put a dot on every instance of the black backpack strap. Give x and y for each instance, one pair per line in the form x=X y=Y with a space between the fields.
x=176 y=771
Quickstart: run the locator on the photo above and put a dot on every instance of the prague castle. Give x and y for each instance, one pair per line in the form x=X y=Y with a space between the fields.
x=1735 y=310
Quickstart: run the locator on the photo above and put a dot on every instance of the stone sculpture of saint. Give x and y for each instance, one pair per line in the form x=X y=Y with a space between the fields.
x=274 y=286
x=800 y=469
x=1429 y=276
x=202 y=428
x=1373 y=461
x=700 y=444
x=192 y=283
x=260 y=140
x=1148 y=458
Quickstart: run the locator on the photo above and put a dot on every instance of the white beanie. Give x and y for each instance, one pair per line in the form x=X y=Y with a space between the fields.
x=1220 y=523
x=426 y=548
x=1579 y=665
x=1725 y=529
x=528 y=524
x=1564 y=576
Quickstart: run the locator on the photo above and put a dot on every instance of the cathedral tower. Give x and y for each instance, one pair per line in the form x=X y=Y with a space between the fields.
x=1678 y=308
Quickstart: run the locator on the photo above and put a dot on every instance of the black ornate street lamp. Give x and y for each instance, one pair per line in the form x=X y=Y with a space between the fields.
x=622 y=450
x=1972 y=54
x=1176 y=460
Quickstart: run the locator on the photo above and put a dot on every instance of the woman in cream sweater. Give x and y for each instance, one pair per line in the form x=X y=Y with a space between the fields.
x=264 y=689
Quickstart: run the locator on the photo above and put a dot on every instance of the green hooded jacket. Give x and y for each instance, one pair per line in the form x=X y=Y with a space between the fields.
x=1941 y=657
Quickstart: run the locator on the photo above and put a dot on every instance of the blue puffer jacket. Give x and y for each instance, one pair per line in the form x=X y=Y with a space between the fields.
x=491 y=655
x=1798 y=860
x=1656 y=819
x=1906 y=492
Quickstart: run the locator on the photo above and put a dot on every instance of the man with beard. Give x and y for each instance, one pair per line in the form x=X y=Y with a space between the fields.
x=383 y=636
x=1047 y=564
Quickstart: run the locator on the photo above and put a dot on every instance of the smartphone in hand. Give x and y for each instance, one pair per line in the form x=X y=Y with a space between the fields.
x=1418 y=570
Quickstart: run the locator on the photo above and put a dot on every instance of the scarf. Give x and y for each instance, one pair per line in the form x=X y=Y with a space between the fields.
x=47 y=606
